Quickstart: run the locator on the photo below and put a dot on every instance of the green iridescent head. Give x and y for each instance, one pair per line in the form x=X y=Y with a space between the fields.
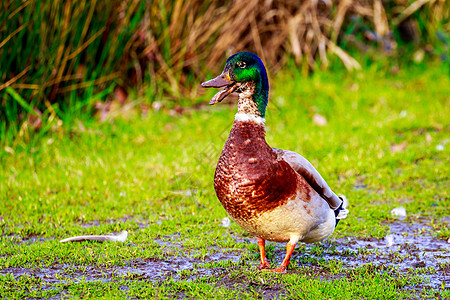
x=243 y=72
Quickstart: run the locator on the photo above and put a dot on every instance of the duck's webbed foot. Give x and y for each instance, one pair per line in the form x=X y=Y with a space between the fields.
x=265 y=266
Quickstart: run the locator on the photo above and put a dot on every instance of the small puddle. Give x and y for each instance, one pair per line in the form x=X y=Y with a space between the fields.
x=154 y=269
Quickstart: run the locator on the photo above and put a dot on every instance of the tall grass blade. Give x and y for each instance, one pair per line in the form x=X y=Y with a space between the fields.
x=21 y=101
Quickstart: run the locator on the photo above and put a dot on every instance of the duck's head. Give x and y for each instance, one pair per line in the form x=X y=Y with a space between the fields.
x=245 y=74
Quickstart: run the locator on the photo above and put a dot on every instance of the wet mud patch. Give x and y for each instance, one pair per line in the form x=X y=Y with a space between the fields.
x=407 y=249
x=184 y=264
x=264 y=286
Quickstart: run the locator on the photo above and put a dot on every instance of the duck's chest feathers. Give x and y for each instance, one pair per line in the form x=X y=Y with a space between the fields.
x=250 y=179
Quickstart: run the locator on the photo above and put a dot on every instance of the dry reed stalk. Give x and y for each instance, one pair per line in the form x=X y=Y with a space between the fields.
x=171 y=44
x=409 y=11
x=198 y=36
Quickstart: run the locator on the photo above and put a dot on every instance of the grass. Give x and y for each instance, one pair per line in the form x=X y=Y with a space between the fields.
x=81 y=49
x=74 y=56
x=385 y=145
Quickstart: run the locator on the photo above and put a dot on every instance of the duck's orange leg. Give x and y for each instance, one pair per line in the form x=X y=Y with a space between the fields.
x=262 y=253
x=287 y=259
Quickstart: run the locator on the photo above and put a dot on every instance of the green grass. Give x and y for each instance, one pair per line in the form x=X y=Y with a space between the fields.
x=153 y=177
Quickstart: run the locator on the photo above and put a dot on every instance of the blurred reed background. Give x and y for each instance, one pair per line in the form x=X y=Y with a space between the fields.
x=60 y=60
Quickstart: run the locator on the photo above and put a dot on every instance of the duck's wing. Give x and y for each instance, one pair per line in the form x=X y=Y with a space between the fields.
x=303 y=167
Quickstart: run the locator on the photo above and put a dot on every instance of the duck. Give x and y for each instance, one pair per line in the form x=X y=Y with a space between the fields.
x=273 y=194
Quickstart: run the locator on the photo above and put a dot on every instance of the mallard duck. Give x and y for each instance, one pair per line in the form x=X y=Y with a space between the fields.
x=275 y=195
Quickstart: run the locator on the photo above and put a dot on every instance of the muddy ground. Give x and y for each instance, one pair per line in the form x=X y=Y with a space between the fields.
x=409 y=249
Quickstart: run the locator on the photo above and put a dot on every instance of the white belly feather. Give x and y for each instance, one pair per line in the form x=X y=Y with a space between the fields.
x=297 y=220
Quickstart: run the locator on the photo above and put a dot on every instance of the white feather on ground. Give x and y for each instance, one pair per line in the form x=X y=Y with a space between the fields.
x=99 y=238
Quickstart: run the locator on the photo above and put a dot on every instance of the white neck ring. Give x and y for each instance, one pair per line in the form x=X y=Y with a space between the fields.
x=249 y=117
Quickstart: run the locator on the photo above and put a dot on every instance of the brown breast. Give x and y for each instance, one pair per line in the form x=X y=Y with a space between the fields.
x=249 y=178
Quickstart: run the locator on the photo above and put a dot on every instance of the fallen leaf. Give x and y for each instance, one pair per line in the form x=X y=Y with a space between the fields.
x=398 y=147
x=394 y=70
x=157 y=105
x=144 y=109
x=120 y=94
x=353 y=87
x=418 y=56
x=35 y=121
x=9 y=150
x=319 y=120
x=103 y=109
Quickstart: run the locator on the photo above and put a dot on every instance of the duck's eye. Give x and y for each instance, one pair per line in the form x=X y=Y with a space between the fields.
x=241 y=64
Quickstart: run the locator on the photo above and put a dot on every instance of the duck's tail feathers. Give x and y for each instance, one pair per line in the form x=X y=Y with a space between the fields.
x=342 y=211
